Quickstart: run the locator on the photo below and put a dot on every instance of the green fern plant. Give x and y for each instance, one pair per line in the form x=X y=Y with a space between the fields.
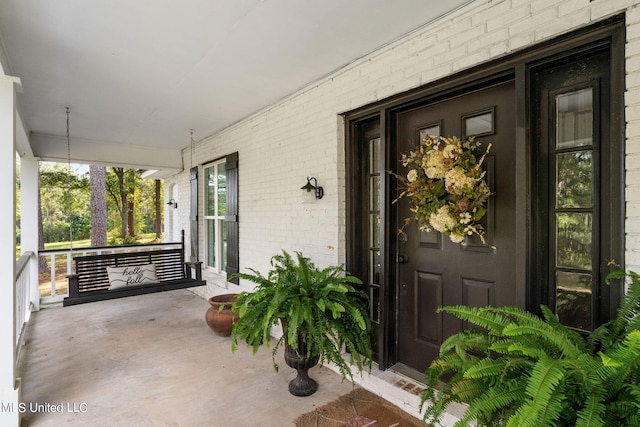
x=519 y=370
x=318 y=306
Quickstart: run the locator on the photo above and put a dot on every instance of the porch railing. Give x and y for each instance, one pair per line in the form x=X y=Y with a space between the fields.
x=59 y=262
x=23 y=298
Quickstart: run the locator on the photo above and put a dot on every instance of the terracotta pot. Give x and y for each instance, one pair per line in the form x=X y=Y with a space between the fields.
x=219 y=316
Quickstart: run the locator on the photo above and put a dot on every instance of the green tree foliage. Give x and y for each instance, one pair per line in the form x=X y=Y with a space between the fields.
x=98 y=182
x=517 y=370
x=64 y=200
x=145 y=202
x=130 y=203
x=120 y=183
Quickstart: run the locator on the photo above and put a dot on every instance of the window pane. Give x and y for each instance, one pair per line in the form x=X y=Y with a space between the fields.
x=210 y=191
x=431 y=130
x=374 y=193
x=222 y=190
x=573 y=299
x=573 y=240
x=480 y=124
x=223 y=261
x=374 y=304
x=374 y=237
x=374 y=261
x=574 y=179
x=211 y=243
x=574 y=116
x=374 y=153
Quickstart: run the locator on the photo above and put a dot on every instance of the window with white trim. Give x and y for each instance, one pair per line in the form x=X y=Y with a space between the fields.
x=215 y=210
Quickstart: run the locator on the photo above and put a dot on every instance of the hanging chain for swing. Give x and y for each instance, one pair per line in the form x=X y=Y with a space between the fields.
x=69 y=183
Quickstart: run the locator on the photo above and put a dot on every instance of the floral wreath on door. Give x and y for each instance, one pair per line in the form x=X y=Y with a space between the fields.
x=446 y=187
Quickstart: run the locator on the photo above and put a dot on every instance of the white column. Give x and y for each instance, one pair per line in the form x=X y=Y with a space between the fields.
x=29 y=188
x=9 y=385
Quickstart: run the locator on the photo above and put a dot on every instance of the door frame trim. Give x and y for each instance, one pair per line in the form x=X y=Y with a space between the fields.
x=514 y=66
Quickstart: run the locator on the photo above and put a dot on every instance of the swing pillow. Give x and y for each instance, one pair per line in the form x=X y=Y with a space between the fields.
x=132 y=275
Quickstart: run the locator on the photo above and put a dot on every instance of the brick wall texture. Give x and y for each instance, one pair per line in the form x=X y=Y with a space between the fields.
x=303 y=134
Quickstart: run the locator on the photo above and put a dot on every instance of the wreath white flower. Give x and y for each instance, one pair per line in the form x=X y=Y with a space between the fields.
x=446 y=186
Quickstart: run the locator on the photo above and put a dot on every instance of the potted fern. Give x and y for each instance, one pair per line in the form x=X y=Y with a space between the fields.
x=521 y=370
x=321 y=312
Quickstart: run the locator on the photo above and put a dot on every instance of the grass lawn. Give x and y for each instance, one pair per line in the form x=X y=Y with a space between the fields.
x=141 y=239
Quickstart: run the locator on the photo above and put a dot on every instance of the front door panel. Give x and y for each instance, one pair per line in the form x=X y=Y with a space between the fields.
x=431 y=270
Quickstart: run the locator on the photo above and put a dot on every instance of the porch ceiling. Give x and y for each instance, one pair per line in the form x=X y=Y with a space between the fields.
x=139 y=75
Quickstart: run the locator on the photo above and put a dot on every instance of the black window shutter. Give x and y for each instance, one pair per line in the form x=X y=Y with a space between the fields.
x=231 y=218
x=193 y=217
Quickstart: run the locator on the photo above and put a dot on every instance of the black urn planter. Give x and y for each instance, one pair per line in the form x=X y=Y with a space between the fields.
x=301 y=385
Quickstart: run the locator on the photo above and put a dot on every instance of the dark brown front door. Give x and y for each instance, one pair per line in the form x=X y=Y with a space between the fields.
x=431 y=270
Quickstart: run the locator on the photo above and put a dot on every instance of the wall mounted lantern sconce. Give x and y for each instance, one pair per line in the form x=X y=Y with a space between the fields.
x=172 y=203
x=311 y=192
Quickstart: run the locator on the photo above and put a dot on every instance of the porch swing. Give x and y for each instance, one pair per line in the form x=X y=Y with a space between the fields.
x=122 y=274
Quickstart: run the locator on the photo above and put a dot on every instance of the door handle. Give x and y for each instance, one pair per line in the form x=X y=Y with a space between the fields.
x=402 y=259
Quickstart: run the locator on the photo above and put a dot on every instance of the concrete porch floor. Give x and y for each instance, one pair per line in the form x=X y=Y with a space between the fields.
x=152 y=361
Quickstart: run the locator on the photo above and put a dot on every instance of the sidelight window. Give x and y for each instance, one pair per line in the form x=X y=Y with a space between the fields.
x=574 y=209
x=374 y=230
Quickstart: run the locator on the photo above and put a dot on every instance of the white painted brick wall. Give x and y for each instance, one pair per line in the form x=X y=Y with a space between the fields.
x=632 y=116
x=303 y=135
